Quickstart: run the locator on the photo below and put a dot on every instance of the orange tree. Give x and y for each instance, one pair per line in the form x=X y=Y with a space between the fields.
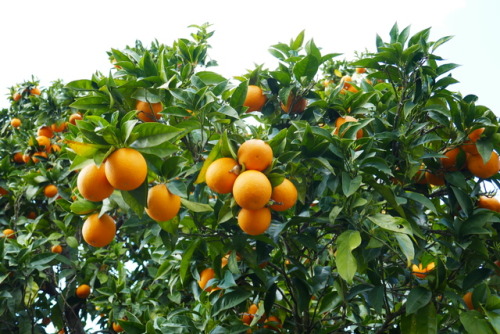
x=365 y=217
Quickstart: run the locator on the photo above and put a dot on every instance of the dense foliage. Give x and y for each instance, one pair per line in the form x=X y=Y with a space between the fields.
x=377 y=197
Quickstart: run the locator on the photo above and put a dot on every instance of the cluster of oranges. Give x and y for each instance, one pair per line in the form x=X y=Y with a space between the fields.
x=256 y=99
x=251 y=189
x=473 y=162
x=272 y=322
x=124 y=169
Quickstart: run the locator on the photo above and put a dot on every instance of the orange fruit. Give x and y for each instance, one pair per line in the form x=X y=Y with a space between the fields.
x=117 y=328
x=360 y=70
x=126 y=169
x=273 y=323
x=479 y=168
x=221 y=174
x=55 y=148
x=56 y=249
x=93 y=184
x=436 y=179
x=252 y=190
x=162 y=204
x=9 y=233
x=255 y=98
x=343 y=119
x=38 y=154
x=58 y=127
x=284 y=195
x=469 y=145
x=3 y=191
x=205 y=276
x=148 y=112
x=45 y=131
x=83 y=291
x=15 y=122
x=490 y=203
x=254 y=222
x=255 y=154
x=50 y=190
x=345 y=82
x=26 y=158
x=450 y=162
x=35 y=91
x=16 y=97
x=75 y=117
x=468 y=300
x=32 y=215
x=18 y=158
x=294 y=105
x=99 y=232
x=248 y=317
x=44 y=143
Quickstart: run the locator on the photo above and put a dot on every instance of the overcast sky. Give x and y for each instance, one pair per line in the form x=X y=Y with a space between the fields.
x=56 y=39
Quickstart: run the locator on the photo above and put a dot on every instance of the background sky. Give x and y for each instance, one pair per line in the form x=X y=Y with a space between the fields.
x=68 y=40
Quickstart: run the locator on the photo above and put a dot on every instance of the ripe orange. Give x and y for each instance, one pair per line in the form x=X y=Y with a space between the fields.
x=38 y=154
x=56 y=249
x=255 y=154
x=3 y=191
x=45 y=131
x=273 y=323
x=469 y=146
x=44 y=143
x=35 y=91
x=436 y=179
x=248 y=317
x=31 y=215
x=15 y=122
x=9 y=233
x=284 y=196
x=58 y=127
x=294 y=105
x=83 y=291
x=450 y=162
x=148 y=112
x=360 y=70
x=468 y=300
x=26 y=158
x=205 y=276
x=55 y=148
x=93 y=184
x=75 y=117
x=490 y=203
x=50 y=190
x=117 y=328
x=255 y=98
x=254 y=222
x=343 y=119
x=126 y=169
x=252 y=190
x=221 y=174
x=18 y=158
x=99 y=232
x=162 y=204
x=16 y=97
x=481 y=169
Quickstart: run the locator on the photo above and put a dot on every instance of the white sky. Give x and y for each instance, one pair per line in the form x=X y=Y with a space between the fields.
x=55 y=39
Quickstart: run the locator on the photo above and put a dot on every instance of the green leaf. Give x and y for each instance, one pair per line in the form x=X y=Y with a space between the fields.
x=417 y=298
x=306 y=68
x=81 y=85
x=417 y=197
x=390 y=223
x=406 y=246
x=152 y=134
x=85 y=149
x=350 y=186
x=297 y=42
x=83 y=207
x=346 y=262
x=91 y=102
x=424 y=321
x=475 y=277
x=475 y=323
x=239 y=95
x=72 y=242
x=196 y=207
x=30 y=292
x=41 y=261
x=210 y=78
x=186 y=258
x=230 y=300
